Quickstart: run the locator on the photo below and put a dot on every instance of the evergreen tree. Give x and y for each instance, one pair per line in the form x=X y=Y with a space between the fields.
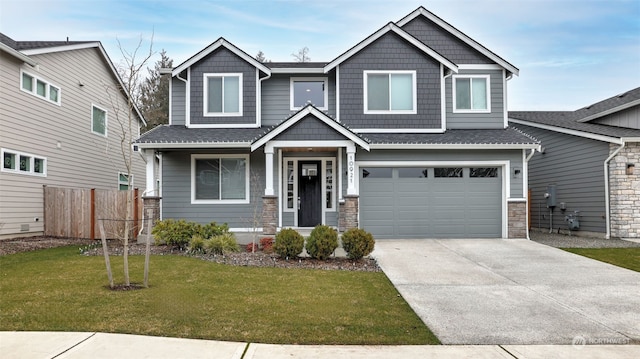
x=153 y=99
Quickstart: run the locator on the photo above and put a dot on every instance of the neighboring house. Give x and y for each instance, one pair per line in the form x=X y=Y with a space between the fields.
x=405 y=135
x=592 y=156
x=59 y=126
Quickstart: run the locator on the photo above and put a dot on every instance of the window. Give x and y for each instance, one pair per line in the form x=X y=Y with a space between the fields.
x=312 y=90
x=39 y=88
x=413 y=172
x=447 y=172
x=220 y=178
x=222 y=94
x=24 y=163
x=483 y=172
x=329 y=184
x=377 y=172
x=98 y=120
x=390 y=92
x=123 y=181
x=471 y=94
x=290 y=184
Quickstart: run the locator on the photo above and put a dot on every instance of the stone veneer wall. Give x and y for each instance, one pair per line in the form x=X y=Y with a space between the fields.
x=517 y=219
x=350 y=209
x=624 y=192
x=269 y=215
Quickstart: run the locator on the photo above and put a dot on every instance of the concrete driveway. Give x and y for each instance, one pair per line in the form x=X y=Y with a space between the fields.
x=506 y=291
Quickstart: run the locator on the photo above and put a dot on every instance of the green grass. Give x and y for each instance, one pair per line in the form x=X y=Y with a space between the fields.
x=60 y=290
x=622 y=257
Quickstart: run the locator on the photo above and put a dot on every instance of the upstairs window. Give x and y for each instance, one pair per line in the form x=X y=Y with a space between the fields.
x=389 y=92
x=471 y=94
x=24 y=163
x=98 y=121
x=222 y=94
x=40 y=88
x=312 y=90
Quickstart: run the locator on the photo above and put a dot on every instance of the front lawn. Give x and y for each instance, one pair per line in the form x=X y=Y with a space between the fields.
x=622 y=257
x=60 y=290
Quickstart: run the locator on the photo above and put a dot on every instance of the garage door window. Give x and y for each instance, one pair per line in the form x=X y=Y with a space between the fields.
x=483 y=172
x=377 y=172
x=448 y=172
x=412 y=172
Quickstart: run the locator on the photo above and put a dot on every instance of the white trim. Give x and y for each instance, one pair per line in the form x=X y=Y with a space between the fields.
x=18 y=55
x=281 y=195
x=225 y=125
x=443 y=99
x=34 y=89
x=487 y=79
x=60 y=48
x=406 y=36
x=17 y=170
x=610 y=111
x=306 y=144
x=150 y=172
x=106 y=121
x=205 y=94
x=414 y=87
x=243 y=229
x=568 y=131
x=171 y=100
x=398 y=130
x=215 y=45
x=505 y=105
x=454 y=146
x=460 y=35
x=187 y=98
x=194 y=145
x=194 y=157
x=480 y=67
x=337 y=93
x=125 y=183
x=324 y=80
x=297 y=70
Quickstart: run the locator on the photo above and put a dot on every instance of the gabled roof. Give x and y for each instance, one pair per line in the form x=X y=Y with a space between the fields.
x=391 y=27
x=221 y=42
x=179 y=136
x=421 y=11
x=611 y=105
x=298 y=116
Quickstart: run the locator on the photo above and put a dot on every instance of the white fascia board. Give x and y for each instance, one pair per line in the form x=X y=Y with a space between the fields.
x=18 y=55
x=246 y=125
x=480 y=67
x=408 y=37
x=610 y=111
x=568 y=131
x=295 y=70
x=398 y=130
x=454 y=146
x=630 y=139
x=215 y=45
x=48 y=50
x=460 y=35
x=183 y=145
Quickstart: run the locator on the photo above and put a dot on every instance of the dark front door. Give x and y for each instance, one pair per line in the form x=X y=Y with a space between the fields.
x=309 y=192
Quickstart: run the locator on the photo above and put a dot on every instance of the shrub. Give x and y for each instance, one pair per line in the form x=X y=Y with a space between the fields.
x=266 y=243
x=252 y=247
x=289 y=243
x=213 y=229
x=322 y=242
x=357 y=243
x=174 y=233
x=196 y=244
x=221 y=244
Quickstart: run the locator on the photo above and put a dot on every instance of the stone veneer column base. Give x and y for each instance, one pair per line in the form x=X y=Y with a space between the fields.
x=624 y=191
x=517 y=219
x=150 y=212
x=269 y=215
x=350 y=209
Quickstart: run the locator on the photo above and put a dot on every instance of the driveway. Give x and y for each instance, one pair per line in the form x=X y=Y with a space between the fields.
x=511 y=291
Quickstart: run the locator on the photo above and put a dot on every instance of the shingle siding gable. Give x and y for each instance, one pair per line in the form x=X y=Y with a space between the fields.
x=310 y=129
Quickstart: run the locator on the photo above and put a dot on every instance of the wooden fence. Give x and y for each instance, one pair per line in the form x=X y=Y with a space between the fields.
x=75 y=212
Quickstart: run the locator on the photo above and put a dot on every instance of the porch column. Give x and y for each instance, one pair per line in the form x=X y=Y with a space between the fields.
x=150 y=156
x=351 y=170
x=268 y=172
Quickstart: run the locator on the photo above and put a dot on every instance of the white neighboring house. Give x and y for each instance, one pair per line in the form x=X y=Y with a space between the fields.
x=59 y=126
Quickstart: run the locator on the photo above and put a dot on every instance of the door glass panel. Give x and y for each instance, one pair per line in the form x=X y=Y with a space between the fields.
x=483 y=172
x=329 y=185
x=377 y=172
x=289 y=184
x=448 y=172
x=412 y=172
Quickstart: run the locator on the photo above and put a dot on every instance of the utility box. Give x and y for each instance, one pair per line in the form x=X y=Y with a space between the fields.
x=551 y=196
x=572 y=221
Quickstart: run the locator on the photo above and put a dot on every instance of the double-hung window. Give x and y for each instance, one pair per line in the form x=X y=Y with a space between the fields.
x=98 y=120
x=123 y=181
x=40 y=88
x=390 y=92
x=310 y=90
x=220 y=178
x=222 y=94
x=23 y=163
x=471 y=93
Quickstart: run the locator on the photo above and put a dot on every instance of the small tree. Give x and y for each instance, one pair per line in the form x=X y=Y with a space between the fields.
x=260 y=57
x=302 y=55
x=153 y=94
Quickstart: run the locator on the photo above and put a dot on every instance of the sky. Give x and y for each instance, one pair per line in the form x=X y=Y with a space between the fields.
x=571 y=53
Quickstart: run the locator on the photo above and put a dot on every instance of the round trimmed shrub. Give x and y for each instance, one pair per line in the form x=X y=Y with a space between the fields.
x=289 y=243
x=322 y=242
x=357 y=243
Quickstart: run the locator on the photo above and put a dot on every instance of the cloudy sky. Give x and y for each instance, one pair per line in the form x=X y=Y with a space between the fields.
x=570 y=53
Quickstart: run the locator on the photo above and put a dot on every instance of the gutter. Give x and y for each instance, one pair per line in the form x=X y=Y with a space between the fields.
x=606 y=189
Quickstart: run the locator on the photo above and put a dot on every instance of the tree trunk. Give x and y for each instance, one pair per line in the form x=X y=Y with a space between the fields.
x=105 y=251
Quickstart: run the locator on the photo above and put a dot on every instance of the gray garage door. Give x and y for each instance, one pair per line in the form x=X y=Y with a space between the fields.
x=420 y=202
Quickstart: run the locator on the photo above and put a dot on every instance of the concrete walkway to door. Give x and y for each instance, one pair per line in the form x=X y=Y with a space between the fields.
x=508 y=291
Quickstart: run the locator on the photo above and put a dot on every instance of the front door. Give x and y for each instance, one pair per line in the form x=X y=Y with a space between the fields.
x=309 y=194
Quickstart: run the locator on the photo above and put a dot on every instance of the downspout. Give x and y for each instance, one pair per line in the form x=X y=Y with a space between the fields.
x=259 y=99
x=606 y=189
x=526 y=162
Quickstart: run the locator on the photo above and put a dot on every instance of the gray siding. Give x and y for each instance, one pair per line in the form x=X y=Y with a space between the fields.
x=176 y=192
x=443 y=42
x=223 y=61
x=494 y=119
x=629 y=118
x=575 y=165
x=390 y=52
x=178 y=102
x=310 y=129
x=276 y=98
x=35 y=126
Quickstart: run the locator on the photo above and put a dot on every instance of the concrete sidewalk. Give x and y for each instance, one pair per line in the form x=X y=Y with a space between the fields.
x=25 y=345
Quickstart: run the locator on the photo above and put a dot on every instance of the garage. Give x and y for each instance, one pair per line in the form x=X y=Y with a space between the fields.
x=431 y=202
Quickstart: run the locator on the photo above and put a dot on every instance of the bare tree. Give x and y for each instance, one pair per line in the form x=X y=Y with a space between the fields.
x=302 y=55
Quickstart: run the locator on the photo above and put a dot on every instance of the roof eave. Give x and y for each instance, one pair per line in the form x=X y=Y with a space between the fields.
x=17 y=54
x=569 y=131
x=187 y=145
x=61 y=48
x=466 y=146
x=610 y=111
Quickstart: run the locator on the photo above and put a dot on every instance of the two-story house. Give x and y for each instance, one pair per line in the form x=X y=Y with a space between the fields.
x=405 y=135
x=61 y=110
